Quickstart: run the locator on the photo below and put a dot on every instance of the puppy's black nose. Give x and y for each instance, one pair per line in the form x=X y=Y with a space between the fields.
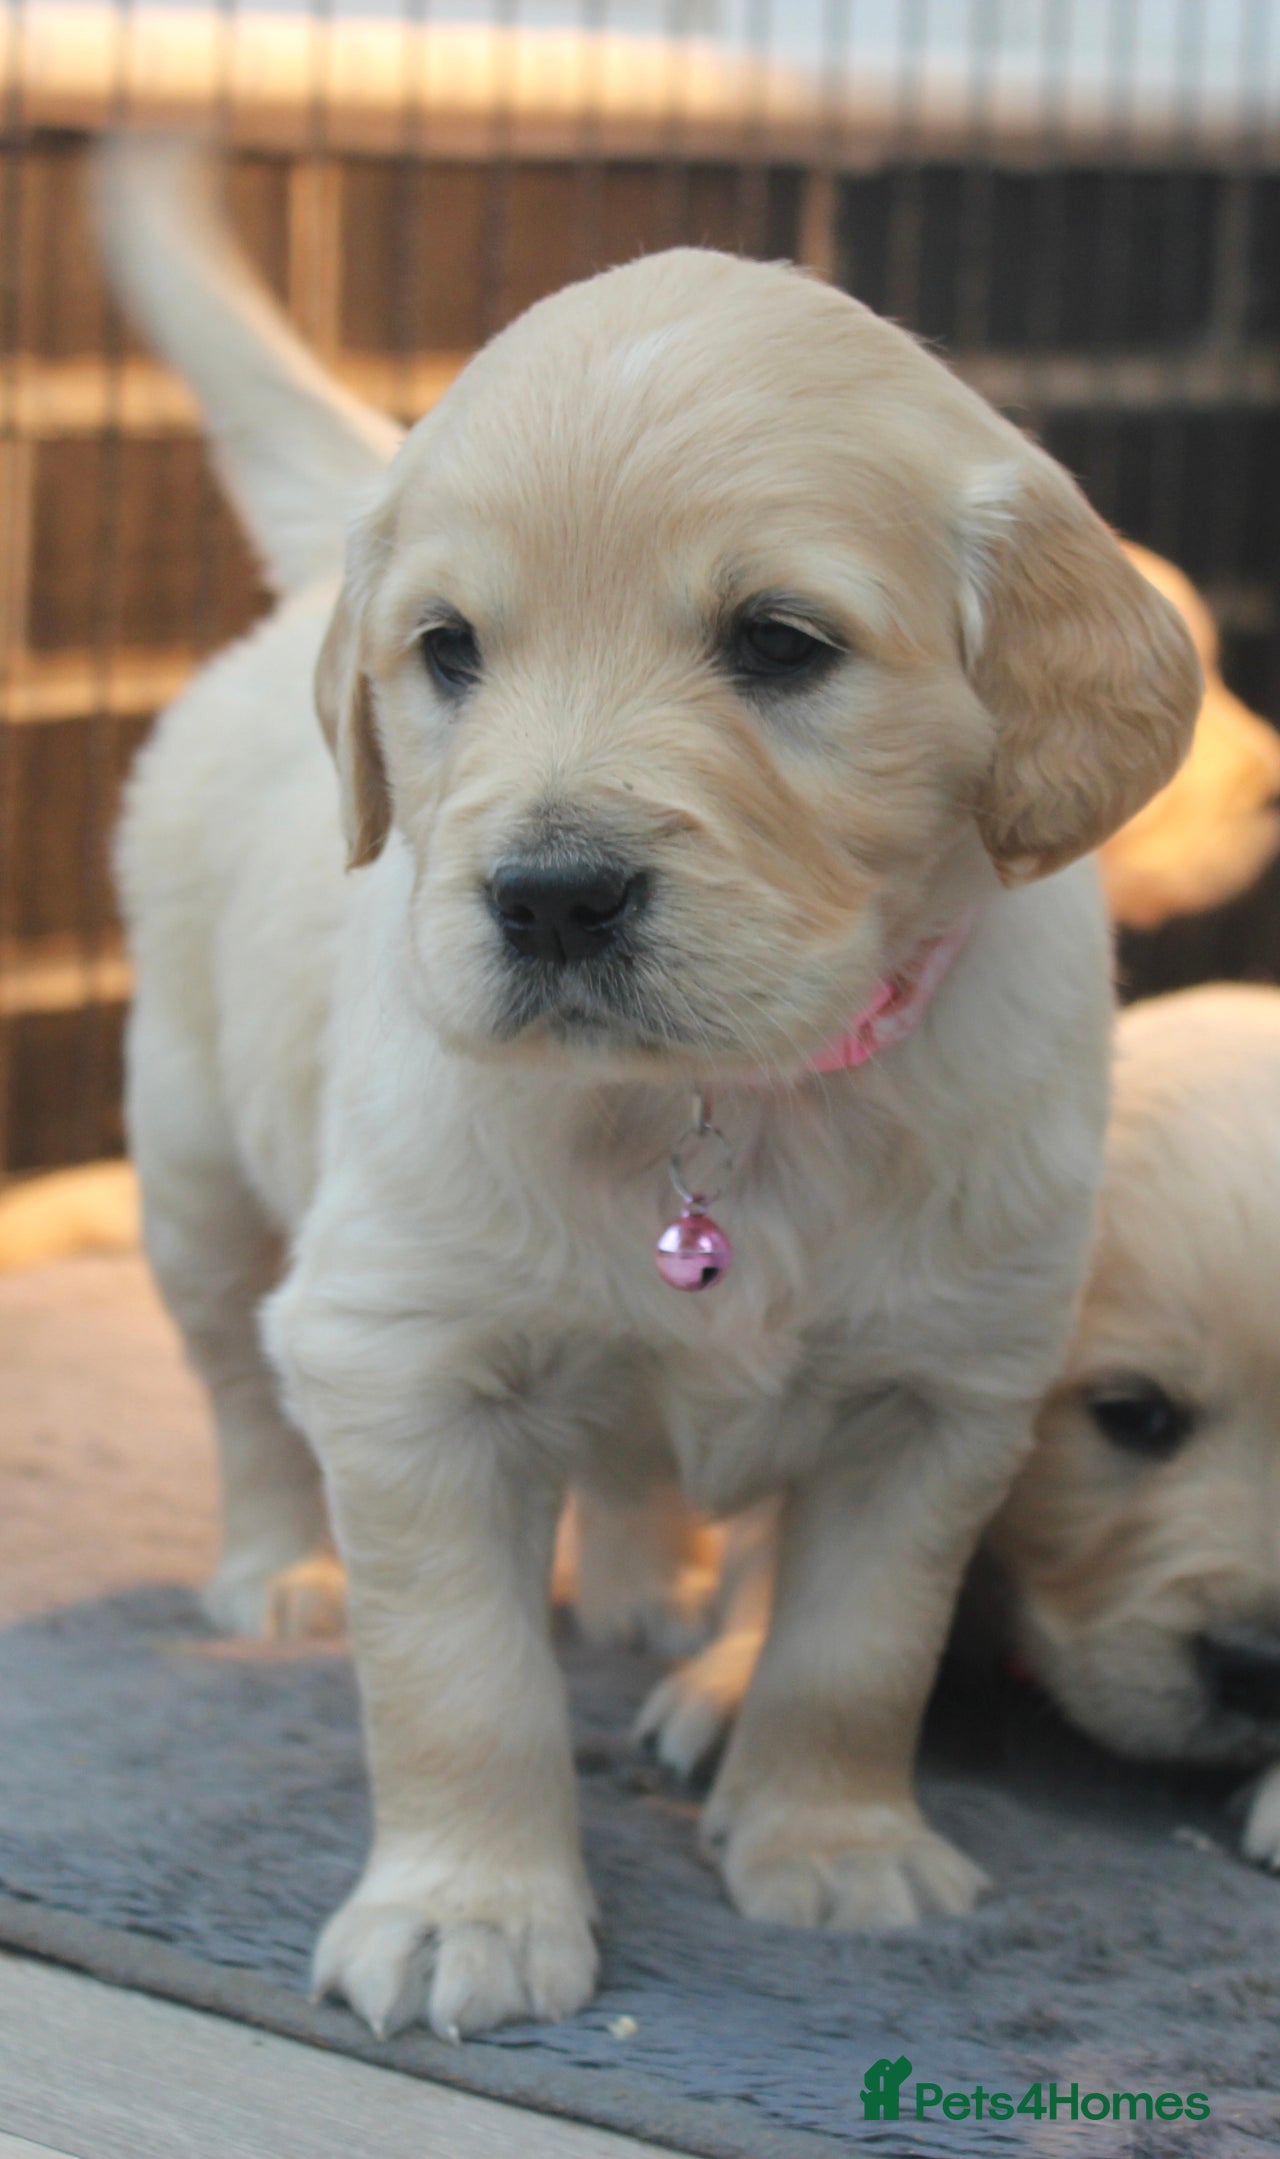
x=1240 y=1665
x=567 y=910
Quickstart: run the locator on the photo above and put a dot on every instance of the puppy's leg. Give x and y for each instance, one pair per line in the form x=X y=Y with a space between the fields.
x=213 y=1254
x=813 y=1815
x=688 y=1713
x=644 y=1571
x=474 y=1906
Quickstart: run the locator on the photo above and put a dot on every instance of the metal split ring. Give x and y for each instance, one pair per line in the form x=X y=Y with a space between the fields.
x=701 y=1194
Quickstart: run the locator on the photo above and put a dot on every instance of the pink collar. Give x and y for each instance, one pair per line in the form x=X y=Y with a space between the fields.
x=693 y=1252
x=897 y=1004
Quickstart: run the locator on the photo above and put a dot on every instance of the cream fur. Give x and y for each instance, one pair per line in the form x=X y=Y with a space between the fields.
x=1119 y=1563
x=469 y=1184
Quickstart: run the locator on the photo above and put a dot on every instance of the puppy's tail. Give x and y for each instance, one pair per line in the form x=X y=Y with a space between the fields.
x=293 y=449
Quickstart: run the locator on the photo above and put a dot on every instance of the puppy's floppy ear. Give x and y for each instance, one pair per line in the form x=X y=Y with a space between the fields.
x=1089 y=674
x=345 y=703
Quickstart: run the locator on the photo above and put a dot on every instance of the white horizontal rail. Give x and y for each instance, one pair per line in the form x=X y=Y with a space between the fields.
x=284 y=78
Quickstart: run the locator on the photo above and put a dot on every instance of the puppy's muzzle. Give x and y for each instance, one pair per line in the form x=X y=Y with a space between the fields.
x=565 y=911
x=1240 y=1667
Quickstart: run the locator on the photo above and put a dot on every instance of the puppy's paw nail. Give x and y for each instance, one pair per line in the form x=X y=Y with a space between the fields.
x=400 y=1963
x=680 y=1727
x=480 y=1981
x=687 y=1716
x=376 y=1956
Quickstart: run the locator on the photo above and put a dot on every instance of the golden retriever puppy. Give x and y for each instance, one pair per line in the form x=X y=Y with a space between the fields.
x=1143 y=1538
x=717 y=696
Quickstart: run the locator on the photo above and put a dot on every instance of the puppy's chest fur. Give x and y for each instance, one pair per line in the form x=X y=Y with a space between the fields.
x=916 y=1225
x=838 y=1293
x=629 y=1415
x=731 y=1407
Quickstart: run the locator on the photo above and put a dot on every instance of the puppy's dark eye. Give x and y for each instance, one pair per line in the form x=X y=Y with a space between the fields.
x=452 y=656
x=1141 y=1418
x=766 y=646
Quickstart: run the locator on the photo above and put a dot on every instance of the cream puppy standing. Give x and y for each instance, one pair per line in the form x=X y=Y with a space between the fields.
x=705 y=655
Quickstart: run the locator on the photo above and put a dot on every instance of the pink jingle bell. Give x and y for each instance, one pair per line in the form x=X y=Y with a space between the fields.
x=693 y=1253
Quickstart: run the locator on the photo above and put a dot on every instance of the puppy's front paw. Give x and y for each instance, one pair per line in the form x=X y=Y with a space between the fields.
x=687 y=1714
x=856 y=1868
x=1261 y=1839
x=405 y=1951
x=308 y=1603
x=238 y=1599
x=300 y=1603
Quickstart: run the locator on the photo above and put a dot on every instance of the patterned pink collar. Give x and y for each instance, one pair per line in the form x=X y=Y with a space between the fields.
x=693 y=1252
x=897 y=1004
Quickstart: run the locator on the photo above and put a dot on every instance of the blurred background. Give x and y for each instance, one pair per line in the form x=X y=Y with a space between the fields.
x=1079 y=203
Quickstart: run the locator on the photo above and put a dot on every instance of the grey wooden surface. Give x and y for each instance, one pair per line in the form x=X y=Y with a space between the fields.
x=91 y=2072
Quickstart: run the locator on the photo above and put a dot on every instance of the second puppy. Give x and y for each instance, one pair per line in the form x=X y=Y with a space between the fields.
x=1143 y=1539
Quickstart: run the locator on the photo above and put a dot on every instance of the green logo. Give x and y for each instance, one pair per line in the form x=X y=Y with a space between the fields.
x=882 y=2089
x=882 y=2084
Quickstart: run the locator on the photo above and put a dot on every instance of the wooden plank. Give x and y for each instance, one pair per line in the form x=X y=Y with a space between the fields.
x=98 y=2073
x=63 y=1085
x=128 y=683
x=54 y=976
x=51 y=399
x=19 y=2148
x=82 y=396
x=1201 y=380
x=74 y=66
x=132 y=544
